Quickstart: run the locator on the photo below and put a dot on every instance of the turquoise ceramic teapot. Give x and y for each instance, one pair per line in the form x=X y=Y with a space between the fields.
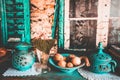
x=102 y=62
x=23 y=57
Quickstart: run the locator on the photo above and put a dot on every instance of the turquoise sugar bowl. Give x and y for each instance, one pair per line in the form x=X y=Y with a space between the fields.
x=102 y=62
x=23 y=57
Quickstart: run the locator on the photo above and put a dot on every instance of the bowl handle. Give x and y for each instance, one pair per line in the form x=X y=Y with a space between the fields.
x=113 y=64
x=87 y=62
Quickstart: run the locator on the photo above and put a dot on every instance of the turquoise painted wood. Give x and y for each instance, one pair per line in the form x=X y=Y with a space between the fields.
x=55 y=22
x=0 y=23
x=59 y=22
x=15 y=21
x=3 y=21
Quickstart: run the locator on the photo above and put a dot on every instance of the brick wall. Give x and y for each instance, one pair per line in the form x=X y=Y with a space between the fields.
x=42 y=14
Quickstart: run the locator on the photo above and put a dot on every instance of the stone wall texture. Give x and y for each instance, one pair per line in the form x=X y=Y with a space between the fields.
x=42 y=14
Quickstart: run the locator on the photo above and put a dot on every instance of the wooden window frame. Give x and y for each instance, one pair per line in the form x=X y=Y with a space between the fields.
x=102 y=23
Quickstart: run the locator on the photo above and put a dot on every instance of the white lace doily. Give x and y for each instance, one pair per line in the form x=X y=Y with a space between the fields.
x=31 y=72
x=94 y=76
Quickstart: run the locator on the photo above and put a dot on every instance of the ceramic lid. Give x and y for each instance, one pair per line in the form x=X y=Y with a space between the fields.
x=100 y=55
x=23 y=45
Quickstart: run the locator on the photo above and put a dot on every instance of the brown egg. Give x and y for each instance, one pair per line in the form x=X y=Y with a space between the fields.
x=57 y=57
x=76 y=61
x=72 y=56
x=69 y=65
x=64 y=58
x=62 y=63
x=3 y=52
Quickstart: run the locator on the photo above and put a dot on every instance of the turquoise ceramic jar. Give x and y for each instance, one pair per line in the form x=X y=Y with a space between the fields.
x=102 y=62
x=23 y=57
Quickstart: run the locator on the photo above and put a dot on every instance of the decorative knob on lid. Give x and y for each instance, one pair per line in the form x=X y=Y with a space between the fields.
x=100 y=48
x=23 y=45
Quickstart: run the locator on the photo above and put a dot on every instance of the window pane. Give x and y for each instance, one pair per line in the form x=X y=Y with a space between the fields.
x=83 y=8
x=115 y=8
x=82 y=31
x=114 y=31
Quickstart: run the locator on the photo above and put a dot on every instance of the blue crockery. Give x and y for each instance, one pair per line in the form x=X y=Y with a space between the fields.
x=23 y=57
x=102 y=62
x=65 y=70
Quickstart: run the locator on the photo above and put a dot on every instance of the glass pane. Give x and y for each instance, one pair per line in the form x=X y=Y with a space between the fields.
x=82 y=34
x=83 y=8
x=114 y=31
x=115 y=8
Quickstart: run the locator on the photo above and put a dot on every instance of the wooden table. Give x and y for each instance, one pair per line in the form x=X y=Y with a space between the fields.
x=52 y=75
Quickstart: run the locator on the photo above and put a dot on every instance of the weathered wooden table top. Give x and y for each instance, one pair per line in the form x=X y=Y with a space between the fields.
x=52 y=75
